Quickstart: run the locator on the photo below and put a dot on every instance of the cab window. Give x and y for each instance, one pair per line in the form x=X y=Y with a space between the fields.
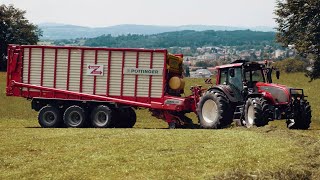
x=236 y=80
x=223 y=76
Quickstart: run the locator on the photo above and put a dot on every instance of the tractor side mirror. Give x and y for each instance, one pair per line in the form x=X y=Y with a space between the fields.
x=278 y=74
x=231 y=72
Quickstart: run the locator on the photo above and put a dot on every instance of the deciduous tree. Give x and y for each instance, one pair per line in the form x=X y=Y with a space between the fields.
x=15 y=29
x=299 y=25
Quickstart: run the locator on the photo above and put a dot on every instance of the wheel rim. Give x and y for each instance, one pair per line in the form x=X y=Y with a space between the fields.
x=75 y=118
x=250 y=116
x=210 y=111
x=101 y=118
x=49 y=117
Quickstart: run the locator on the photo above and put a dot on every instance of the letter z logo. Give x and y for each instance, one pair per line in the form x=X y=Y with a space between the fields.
x=94 y=70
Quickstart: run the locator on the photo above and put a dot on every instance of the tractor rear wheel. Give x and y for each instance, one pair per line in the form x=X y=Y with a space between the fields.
x=101 y=117
x=302 y=116
x=256 y=112
x=50 y=117
x=214 y=111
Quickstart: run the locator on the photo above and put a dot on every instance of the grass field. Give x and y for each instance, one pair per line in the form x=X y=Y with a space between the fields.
x=150 y=151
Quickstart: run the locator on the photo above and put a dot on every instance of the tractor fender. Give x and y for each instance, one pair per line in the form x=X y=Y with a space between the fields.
x=227 y=91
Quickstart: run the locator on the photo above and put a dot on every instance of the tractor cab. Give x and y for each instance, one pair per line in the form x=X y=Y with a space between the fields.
x=242 y=75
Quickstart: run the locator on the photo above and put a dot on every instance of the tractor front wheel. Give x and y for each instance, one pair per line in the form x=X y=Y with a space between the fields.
x=302 y=116
x=256 y=112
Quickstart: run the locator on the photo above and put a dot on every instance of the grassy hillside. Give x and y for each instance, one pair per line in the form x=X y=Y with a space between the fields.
x=150 y=151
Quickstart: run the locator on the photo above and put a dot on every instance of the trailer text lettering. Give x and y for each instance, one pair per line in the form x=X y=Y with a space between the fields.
x=143 y=71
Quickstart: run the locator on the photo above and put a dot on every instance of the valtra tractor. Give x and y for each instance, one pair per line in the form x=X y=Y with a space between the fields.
x=244 y=91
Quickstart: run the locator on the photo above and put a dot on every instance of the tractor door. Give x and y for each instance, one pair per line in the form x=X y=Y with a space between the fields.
x=235 y=78
x=232 y=77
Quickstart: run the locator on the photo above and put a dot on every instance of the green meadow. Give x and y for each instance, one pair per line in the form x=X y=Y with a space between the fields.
x=151 y=151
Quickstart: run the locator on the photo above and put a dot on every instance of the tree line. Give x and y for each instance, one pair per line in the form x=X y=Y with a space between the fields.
x=188 y=38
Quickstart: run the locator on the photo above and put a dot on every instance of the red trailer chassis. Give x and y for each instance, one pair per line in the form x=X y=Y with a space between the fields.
x=30 y=68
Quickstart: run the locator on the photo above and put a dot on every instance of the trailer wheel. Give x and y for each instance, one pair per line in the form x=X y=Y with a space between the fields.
x=101 y=117
x=49 y=117
x=214 y=111
x=125 y=118
x=256 y=112
x=74 y=117
x=132 y=117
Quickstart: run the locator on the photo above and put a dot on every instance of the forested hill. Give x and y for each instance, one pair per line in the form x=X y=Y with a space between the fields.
x=55 y=31
x=188 y=38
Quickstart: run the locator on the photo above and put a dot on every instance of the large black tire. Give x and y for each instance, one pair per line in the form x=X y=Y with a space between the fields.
x=125 y=118
x=256 y=112
x=101 y=117
x=50 y=117
x=302 y=116
x=213 y=111
x=74 y=117
x=132 y=117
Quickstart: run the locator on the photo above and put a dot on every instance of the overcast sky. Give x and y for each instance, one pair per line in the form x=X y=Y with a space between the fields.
x=101 y=13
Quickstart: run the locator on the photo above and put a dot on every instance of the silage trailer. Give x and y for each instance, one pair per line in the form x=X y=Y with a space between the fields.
x=99 y=87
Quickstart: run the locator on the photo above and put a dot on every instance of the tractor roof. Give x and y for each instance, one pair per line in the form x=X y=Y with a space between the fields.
x=240 y=63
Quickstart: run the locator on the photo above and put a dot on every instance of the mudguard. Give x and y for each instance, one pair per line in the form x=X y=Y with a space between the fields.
x=231 y=94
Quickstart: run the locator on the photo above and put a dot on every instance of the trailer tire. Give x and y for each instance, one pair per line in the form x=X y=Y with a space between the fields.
x=125 y=118
x=49 y=117
x=214 y=111
x=132 y=117
x=256 y=112
x=302 y=119
x=74 y=117
x=101 y=117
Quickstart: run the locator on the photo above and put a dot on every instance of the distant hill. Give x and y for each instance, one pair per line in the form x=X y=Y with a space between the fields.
x=241 y=38
x=55 y=31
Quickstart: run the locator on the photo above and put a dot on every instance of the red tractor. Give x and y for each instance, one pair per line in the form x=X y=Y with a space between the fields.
x=244 y=91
